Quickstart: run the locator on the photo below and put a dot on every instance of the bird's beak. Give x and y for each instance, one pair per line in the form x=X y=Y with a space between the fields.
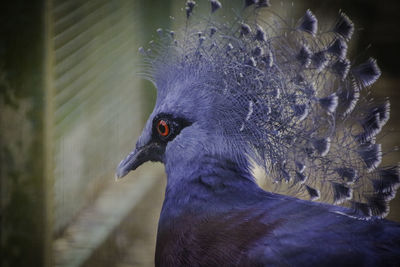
x=137 y=157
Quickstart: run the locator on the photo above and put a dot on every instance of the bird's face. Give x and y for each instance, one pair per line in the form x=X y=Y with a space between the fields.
x=173 y=130
x=160 y=132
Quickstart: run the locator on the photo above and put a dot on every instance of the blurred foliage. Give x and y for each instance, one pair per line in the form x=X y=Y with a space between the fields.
x=23 y=218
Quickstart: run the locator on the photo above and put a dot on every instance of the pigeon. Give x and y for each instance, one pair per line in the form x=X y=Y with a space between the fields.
x=261 y=92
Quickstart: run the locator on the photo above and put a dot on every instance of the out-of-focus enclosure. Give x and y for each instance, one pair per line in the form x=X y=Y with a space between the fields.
x=72 y=106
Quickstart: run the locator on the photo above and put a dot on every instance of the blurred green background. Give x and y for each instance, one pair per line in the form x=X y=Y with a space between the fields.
x=72 y=105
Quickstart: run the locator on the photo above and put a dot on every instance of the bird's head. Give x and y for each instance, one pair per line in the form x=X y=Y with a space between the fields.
x=211 y=100
x=182 y=124
x=259 y=90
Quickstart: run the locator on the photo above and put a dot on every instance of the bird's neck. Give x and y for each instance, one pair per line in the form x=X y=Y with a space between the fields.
x=208 y=185
x=201 y=200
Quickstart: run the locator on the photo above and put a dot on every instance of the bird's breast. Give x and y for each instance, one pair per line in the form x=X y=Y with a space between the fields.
x=224 y=239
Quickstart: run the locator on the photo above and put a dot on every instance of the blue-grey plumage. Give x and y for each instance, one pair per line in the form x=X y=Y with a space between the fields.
x=283 y=98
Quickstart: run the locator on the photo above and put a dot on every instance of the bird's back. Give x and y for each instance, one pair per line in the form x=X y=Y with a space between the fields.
x=227 y=220
x=306 y=236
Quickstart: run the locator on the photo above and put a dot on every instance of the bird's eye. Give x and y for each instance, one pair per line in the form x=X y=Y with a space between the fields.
x=163 y=128
x=166 y=127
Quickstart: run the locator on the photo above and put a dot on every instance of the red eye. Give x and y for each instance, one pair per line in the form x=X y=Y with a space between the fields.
x=162 y=128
